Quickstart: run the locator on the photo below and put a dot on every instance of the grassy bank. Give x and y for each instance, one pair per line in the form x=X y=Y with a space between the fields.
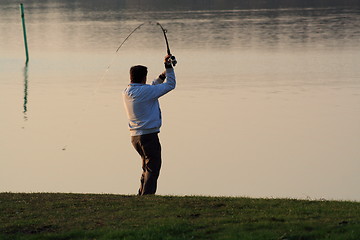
x=89 y=216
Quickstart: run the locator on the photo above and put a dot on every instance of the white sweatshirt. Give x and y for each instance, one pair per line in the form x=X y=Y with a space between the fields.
x=142 y=104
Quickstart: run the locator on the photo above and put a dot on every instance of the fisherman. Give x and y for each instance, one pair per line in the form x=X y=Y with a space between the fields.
x=143 y=111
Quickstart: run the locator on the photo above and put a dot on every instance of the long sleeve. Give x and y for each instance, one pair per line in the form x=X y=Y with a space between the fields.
x=159 y=89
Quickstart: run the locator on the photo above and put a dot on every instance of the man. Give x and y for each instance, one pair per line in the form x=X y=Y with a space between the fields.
x=143 y=111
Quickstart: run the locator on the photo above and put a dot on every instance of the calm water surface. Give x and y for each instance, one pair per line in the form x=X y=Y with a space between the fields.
x=267 y=102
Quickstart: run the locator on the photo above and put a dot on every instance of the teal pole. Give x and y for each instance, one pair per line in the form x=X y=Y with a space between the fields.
x=24 y=31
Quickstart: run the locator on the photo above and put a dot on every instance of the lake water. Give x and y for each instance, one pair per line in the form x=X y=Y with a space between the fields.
x=267 y=102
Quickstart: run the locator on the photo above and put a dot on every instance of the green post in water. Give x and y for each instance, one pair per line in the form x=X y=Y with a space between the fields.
x=24 y=31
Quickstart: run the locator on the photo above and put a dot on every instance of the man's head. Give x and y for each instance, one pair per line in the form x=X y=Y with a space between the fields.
x=138 y=74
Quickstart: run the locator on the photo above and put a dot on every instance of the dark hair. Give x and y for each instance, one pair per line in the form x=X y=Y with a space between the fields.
x=138 y=73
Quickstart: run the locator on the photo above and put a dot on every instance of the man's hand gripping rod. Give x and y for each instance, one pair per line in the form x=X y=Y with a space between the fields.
x=172 y=59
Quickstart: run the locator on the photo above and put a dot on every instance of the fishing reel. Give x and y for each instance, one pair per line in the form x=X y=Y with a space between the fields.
x=172 y=60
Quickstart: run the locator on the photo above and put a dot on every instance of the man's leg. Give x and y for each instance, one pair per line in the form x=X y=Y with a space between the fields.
x=149 y=148
x=135 y=140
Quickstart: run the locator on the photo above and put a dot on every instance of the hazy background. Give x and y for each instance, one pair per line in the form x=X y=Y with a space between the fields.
x=267 y=102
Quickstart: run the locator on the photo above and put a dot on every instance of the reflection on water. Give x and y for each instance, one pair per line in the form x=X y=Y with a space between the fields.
x=266 y=102
x=25 y=71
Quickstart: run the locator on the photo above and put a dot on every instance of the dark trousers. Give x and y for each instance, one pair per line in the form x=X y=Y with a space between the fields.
x=149 y=148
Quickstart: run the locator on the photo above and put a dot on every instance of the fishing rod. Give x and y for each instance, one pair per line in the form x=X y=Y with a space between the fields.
x=129 y=36
x=172 y=58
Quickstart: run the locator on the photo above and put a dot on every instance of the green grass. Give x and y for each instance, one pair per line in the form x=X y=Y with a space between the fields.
x=92 y=216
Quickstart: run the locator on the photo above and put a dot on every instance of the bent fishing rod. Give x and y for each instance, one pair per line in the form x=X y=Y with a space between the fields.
x=172 y=58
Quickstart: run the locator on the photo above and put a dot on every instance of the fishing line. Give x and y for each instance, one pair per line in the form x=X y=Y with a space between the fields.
x=112 y=61
x=99 y=83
